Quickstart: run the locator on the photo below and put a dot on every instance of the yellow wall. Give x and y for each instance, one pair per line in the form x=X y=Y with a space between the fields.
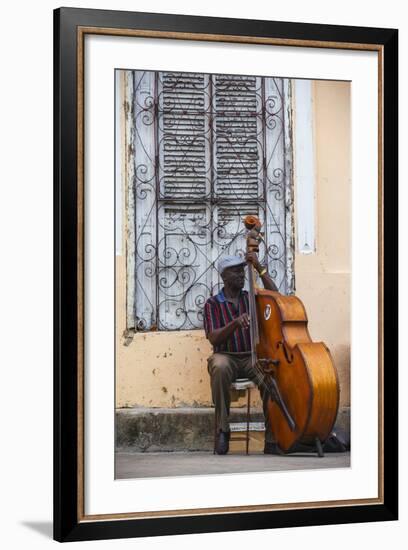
x=323 y=278
x=169 y=369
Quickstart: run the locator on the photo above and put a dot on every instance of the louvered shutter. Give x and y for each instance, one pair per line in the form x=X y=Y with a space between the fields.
x=238 y=138
x=184 y=138
x=238 y=160
x=184 y=135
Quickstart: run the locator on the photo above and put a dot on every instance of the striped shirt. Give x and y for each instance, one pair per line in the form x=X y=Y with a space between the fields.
x=218 y=312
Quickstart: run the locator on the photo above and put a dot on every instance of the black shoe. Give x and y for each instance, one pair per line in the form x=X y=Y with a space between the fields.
x=222 y=443
x=272 y=448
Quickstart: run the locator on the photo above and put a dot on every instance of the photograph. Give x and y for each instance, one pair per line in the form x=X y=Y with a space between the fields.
x=225 y=263
x=232 y=273
x=203 y=212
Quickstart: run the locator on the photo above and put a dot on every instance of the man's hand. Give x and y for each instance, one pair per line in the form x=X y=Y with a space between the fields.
x=220 y=335
x=266 y=279
x=243 y=320
x=253 y=258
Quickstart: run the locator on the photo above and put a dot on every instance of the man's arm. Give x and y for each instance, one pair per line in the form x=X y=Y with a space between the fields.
x=266 y=278
x=219 y=335
x=268 y=282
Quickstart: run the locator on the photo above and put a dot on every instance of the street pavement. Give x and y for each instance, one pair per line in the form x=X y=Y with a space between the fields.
x=166 y=464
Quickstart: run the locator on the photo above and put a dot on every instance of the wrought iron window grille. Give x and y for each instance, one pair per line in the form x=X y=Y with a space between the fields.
x=204 y=151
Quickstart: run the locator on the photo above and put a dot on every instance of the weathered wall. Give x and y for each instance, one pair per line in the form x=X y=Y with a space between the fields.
x=169 y=369
x=323 y=278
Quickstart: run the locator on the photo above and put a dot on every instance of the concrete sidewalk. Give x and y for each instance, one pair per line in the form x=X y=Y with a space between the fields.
x=161 y=464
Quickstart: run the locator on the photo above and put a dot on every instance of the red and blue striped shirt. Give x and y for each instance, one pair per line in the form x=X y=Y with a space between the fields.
x=218 y=312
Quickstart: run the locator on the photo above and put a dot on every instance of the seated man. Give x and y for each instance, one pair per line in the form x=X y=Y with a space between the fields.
x=226 y=324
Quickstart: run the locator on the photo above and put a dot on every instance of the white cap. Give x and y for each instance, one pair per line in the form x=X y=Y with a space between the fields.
x=229 y=261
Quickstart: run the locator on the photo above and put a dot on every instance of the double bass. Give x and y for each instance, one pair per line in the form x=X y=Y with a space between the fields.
x=299 y=374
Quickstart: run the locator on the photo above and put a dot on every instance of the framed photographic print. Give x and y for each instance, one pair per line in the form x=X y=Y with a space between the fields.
x=225 y=274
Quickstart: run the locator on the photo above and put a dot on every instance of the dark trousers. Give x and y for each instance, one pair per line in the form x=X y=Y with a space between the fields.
x=224 y=368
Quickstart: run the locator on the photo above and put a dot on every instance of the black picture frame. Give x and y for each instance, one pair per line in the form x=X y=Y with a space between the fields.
x=69 y=522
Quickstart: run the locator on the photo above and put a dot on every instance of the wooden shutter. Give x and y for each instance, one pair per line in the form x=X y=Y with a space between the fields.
x=144 y=191
x=184 y=271
x=278 y=203
x=238 y=138
x=184 y=135
x=238 y=160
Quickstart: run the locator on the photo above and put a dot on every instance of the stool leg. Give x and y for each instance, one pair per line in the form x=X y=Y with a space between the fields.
x=215 y=430
x=247 y=432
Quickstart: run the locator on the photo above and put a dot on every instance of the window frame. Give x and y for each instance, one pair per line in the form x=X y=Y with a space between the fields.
x=127 y=94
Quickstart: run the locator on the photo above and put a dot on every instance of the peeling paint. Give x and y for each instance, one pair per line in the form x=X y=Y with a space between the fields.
x=128 y=335
x=130 y=150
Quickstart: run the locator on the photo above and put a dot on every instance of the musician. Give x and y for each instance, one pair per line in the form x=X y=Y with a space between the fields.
x=226 y=324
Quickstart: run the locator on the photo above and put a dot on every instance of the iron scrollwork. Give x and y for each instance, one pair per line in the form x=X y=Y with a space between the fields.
x=209 y=149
